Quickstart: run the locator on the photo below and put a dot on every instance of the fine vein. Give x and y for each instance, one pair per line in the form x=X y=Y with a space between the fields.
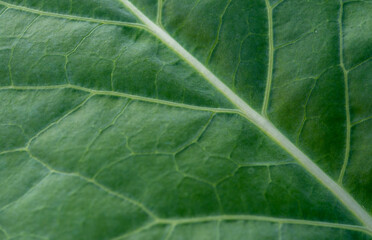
x=280 y=221
x=71 y=17
x=261 y=122
x=159 y=13
x=125 y=95
x=347 y=108
x=271 y=58
x=215 y=43
x=261 y=218
x=97 y=184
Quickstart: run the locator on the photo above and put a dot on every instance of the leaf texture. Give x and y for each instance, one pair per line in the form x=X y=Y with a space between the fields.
x=201 y=119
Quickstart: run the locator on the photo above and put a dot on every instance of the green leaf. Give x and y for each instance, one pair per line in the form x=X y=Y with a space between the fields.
x=154 y=119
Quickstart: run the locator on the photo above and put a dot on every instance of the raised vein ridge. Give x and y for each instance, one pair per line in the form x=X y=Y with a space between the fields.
x=347 y=107
x=125 y=95
x=261 y=122
x=269 y=10
x=70 y=17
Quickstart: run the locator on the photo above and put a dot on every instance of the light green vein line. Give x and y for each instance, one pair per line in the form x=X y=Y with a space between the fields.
x=271 y=59
x=13 y=151
x=261 y=122
x=57 y=121
x=357 y=1
x=218 y=32
x=280 y=226
x=104 y=188
x=72 y=17
x=218 y=230
x=302 y=36
x=170 y=232
x=277 y=4
x=28 y=236
x=360 y=64
x=361 y=121
x=137 y=230
x=25 y=194
x=5 y=232
x=14 y=46
x=218 y=198
x=305 y=118
x=101 y=130
x=159 y=13
x=264 y=219
x=219 y=218
x=82 y=40
x=3 y=11
x=119 y=94
x=197 y=136
x=347 y=107
x=97 y=184
x=99 y=171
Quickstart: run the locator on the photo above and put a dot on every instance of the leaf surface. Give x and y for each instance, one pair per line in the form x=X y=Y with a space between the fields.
x=185 y=120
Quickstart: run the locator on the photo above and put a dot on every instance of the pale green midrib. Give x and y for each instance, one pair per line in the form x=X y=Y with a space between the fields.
x=125 y=95
x=271 y=59
x=71 y=17
x=347 y=107
x=261 y=122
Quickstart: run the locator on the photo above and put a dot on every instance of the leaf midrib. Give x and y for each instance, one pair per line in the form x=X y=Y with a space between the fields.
x=244 y=109
x=261 y=122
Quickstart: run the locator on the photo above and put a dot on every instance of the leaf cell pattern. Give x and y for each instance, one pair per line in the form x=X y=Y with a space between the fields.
x=110 y=133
